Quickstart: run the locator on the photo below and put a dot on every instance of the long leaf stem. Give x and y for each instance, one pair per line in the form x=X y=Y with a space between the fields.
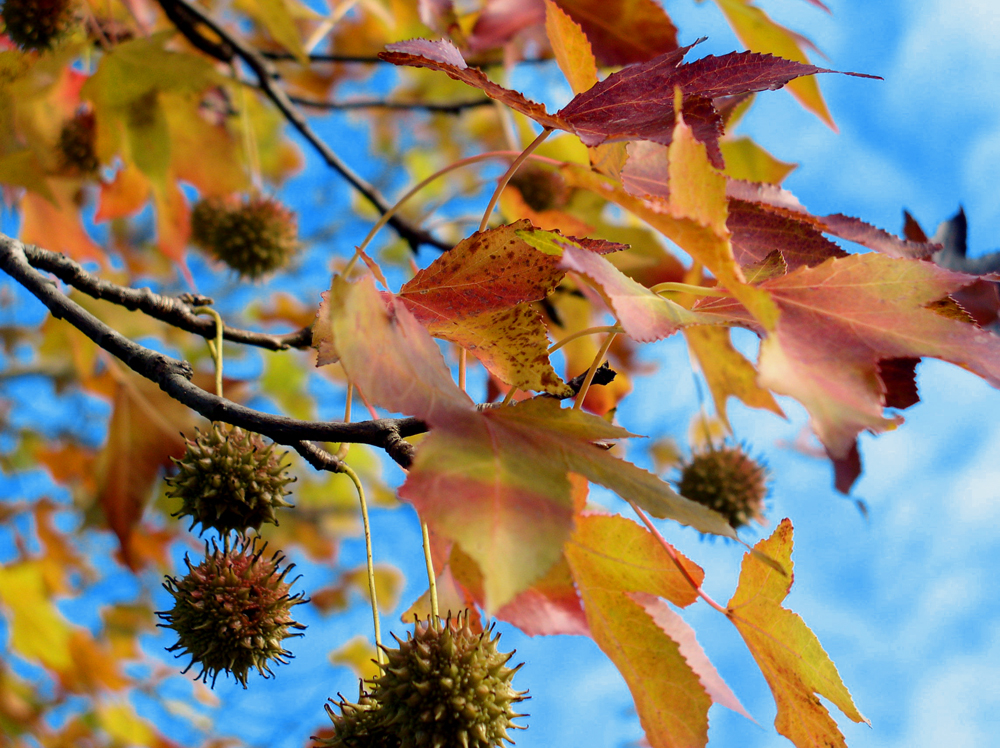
x=431 y=575
x=511 y=170
x=393 y=209
x=672 y=552
x=216 y=347
x=582 y=333
x=585 y=387
x=349 y=472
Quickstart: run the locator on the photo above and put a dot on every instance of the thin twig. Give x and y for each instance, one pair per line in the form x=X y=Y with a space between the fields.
x=174 y=376
x=456 y=107
x=175 y=311
x=186 y=17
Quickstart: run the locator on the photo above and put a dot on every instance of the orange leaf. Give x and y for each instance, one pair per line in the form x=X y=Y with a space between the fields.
x=58 y=227
x=571 y=48
x=611 y=557
x=789 y=655
x=727 y=371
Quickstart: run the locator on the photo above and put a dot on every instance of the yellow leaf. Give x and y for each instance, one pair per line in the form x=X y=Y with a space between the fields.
x=124 y=726
x=38 y=631
x=571 y=48
x=747 y=160
x=276 y=17
x=789 y=655
x=727 y=372
x=760 y=34
x=358 y=654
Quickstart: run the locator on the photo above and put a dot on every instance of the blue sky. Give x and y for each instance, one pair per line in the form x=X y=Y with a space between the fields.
x=904 y=600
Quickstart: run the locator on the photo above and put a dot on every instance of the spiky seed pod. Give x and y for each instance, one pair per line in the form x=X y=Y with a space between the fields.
x=37 y=24
x=447 y=687
x=76 y=145
x=253 y=238
x=230 y=479
x=542 y=189
x=358 y=725
x=232 y=612
x=727 y=480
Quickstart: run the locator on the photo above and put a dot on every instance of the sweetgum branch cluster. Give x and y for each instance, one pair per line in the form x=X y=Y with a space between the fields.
x=546 y=562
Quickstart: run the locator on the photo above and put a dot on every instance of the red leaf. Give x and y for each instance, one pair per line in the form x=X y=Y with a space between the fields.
x=622 y=32
x=637 y=103
x=859 y=232
x=444 y=56
x=757 y=232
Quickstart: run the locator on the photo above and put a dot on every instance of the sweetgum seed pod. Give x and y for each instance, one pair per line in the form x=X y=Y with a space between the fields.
x=37 y=24
x=445 y=686
x=230 y=479
x=726 y=480
x=254 y=238
x=232 y=612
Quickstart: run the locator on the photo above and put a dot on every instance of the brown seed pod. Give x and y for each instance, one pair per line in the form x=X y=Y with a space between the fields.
x=232 y=612
x=727 y=480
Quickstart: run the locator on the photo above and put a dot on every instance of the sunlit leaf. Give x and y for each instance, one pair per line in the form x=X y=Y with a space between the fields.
x=789 y=655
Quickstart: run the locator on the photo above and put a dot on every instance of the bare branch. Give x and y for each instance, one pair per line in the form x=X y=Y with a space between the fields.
x=174 y=311
x=186 y=18
x=174 y=376
x=444 y=108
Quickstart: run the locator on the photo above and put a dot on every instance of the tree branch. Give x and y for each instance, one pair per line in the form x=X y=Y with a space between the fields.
x=186 y=16
x=173 y=376
x=444 y=108
x=174 y=311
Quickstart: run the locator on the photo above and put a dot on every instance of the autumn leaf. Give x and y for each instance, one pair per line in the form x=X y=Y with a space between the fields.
x=727 y=372
x=477 y=296
x=840 y=319
x=611 y=557
x=644 y=315
x=389 y=355
x=679 y=223
x=746 y=160
x=511 y=343
x=445 y=56
x=789 y=655
x=760 y=34
x=622 y=32
x=37 y=629
x=756 y=232
x=571 y=48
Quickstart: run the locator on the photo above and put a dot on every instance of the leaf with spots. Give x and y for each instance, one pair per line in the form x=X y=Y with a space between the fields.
x=789 y=655
x=511 y=343
x=478 y=295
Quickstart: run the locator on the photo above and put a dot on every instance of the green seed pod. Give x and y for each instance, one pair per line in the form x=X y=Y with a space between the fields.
x=447 y=687
x=728 y=481
x=37 y=24
x=253 y=238
x=358 y=725
x=229 y=479
x=232 y=612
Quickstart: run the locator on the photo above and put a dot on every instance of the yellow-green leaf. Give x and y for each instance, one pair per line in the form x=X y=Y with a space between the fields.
x=37 y=629
x=789 y=655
